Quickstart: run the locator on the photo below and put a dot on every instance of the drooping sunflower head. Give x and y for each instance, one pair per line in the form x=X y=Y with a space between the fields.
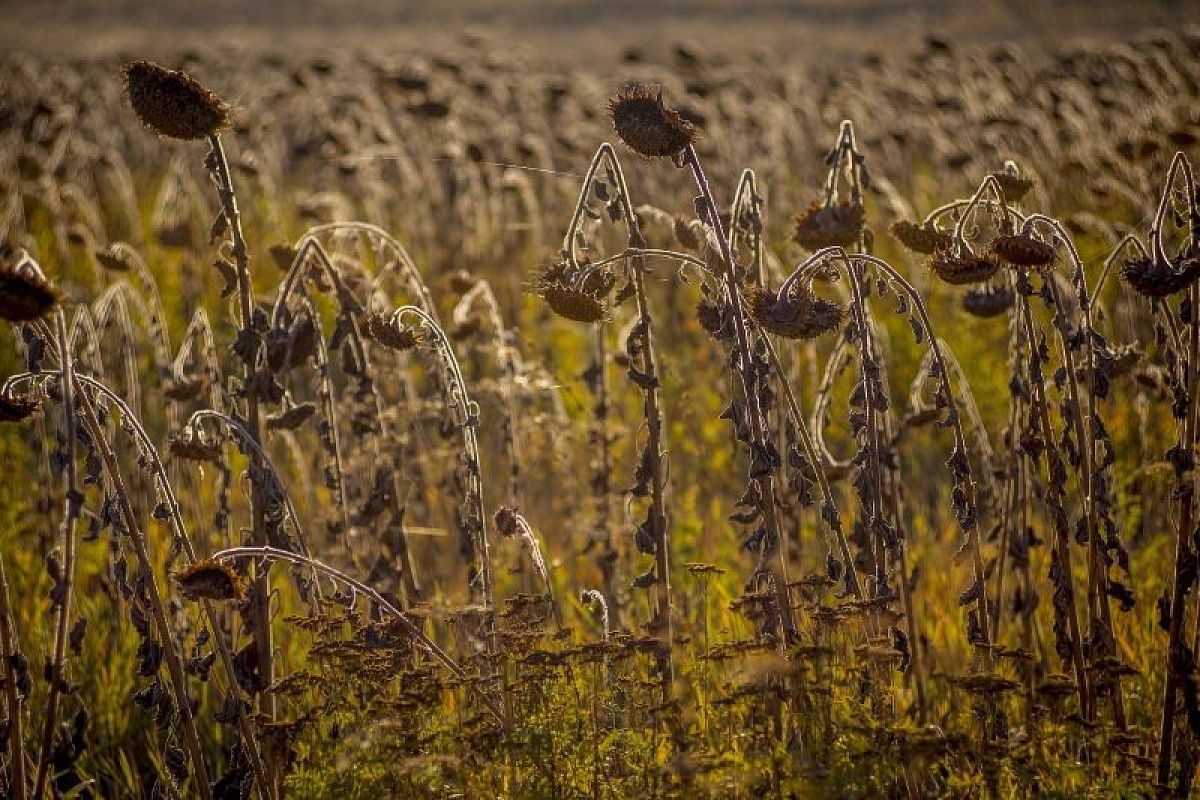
x=1022 y=250
x=646 y=125
x=209 y=580
x=799 y=315
x=173 y=103
x=1154 y=278
x=25 y=295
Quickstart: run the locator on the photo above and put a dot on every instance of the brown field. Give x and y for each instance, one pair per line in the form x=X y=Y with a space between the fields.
x=599 y=399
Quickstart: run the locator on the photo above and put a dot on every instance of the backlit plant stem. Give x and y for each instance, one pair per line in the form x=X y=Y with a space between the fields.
x=758 y=431
x=219 y=168
x=72 y=506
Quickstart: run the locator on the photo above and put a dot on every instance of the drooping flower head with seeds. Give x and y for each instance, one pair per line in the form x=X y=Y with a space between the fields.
x=209 y=580
x=173 y=103
x=25 y=294
x=646 y=125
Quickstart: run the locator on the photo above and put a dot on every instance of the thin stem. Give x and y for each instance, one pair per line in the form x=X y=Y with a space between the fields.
x=1175 y=630
x=219 y=168
x=72 y=505
x=1097 y=571
x=9 y=652
x=653 y=411
x=1062 y=543
x=157 y=609
x=410 y=629
x=796 y=415
x=458 y=398
x=758 y=431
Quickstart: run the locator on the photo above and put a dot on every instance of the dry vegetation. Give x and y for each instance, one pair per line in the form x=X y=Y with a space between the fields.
x=371 y=428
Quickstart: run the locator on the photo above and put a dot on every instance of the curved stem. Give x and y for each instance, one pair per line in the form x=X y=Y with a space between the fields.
x=1178 y=164
x=410 y=629
x=458 y=398
x=183 y=702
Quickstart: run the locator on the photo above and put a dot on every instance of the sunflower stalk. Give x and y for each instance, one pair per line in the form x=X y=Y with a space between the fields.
x=1178 y=653
x=183 y=703
x=746 y=366
x=218 y=168
x=642 y=347
x=72 y=508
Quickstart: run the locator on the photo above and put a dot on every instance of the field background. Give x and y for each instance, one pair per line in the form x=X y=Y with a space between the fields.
x=318 y=122
x=574 y=30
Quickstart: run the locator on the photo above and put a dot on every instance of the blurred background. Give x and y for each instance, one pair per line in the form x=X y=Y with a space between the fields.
x=579 y=29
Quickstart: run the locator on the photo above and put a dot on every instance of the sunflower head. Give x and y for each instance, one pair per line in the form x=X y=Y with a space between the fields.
x=965 y=268
x=1014 y=185
x=24 y=294
x=646 y=125
x=209 y=580
x=834 y=225
x=1155 y=278
x=1022 y=250
x=378 y=328
x=799 y=315
x=924 y=239
x=18 y=408
x=988 y=300
x=191 y=447
x=173 y=103
x=573 y=297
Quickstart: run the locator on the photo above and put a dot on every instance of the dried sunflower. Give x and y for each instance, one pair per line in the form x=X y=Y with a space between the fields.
x=1157 y=278
x=800 y=315
x=988 y=301
x=926 y=239
x=1014 y=186
x=209 y=580
x=555 y=286
x=172 y=103
x=24 y=294
x=1022 y=250
x=835 y=225
x=18 y=409
x=960 y=270
x=378 y=328
x=646 y=125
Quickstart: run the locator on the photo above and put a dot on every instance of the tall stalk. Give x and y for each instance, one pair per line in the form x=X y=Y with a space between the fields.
x=249 y=336
x=1061 y=553
x=175 y=671
x=72 y=507
x=745 y=361
x=642 y=346
x=10 y=652
x=1179 y=656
